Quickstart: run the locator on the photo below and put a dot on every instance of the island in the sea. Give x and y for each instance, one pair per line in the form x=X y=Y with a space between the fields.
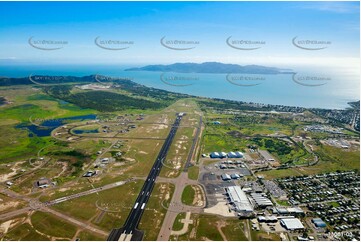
x=212 y=67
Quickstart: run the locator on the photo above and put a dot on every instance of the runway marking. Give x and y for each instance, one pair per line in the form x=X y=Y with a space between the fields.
x=136 y=205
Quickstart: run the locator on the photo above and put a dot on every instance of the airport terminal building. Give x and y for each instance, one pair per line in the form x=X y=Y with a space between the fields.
x=239 y=200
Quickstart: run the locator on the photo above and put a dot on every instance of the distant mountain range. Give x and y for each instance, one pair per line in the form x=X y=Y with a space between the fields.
x=212 y=67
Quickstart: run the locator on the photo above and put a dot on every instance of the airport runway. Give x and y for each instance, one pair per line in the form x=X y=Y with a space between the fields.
x=129 y=231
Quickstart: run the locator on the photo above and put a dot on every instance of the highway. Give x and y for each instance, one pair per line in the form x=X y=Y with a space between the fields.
x=129 y=230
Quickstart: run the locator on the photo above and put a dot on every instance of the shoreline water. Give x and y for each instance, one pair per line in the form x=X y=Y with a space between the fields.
x=283 y=89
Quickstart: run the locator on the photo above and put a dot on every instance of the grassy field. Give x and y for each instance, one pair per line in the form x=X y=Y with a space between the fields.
x=24 y=232
x=9 y=204
x=222 y=142
x=25 y=183
x=112 y=199
x=272 y=174
x=234 y=230
x=193 y=172
x=90 y=146
x=87 y=236
x=15 y=144
x=178 y=225
x=148 y=131
x=143 y=153
x=340 y=158
x=331 y=159
x=188 y=195
x=283 y=203
x=208 y=227
x=29 y=104
x=50 y=225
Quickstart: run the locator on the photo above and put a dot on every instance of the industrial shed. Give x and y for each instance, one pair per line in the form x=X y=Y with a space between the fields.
x=292 y=224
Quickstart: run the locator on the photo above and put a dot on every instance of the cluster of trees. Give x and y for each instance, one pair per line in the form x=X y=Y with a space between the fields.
x=104 y=101
x=110 y=101
x=273 y=146
x=145 y=91
x=45 y=80
x=61 y=90
x=280 y=148
x=223 y=104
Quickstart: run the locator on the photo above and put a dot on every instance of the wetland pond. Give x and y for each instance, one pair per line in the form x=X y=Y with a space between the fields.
x=47 y=126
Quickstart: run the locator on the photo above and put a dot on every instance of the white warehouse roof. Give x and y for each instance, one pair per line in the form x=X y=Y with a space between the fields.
x=292 y=223
x=239 y=199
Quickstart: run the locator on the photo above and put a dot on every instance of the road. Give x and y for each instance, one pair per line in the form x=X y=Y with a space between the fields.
x=36 y=205
x=129 y=230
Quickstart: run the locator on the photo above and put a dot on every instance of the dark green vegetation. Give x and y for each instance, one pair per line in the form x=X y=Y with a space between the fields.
x=104 y=100
x=285 y=151
x=46 y=80
x=73 y=157
x=277 y=146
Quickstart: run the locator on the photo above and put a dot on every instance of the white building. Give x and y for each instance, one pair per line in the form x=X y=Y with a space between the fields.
x=261 y=200
x=292 y=223
x=239 y=199
x=218 y=155
x=236 y=154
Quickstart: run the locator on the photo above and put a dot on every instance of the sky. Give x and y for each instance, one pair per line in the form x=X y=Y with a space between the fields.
x=207 y=25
